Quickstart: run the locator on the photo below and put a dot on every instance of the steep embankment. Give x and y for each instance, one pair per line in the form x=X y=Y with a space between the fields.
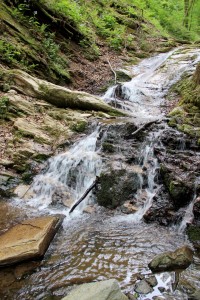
x=186 y=116
x=68 y=42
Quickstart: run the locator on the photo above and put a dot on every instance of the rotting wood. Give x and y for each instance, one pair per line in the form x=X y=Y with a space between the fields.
x=84 y=195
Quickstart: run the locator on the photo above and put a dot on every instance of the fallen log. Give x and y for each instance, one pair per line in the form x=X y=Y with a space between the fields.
x=84 y=195
x=59 y=96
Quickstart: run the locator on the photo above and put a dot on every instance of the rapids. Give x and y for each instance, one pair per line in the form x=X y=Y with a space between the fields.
x=107 y=243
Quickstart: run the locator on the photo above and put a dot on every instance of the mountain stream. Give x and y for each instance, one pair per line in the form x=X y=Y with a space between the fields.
x=107 y=243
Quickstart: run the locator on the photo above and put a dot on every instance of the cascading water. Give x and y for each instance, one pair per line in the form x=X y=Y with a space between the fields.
x=144 y=94
x=71 y=173
x=149 y=163
x=104 y=245
x=188 y=216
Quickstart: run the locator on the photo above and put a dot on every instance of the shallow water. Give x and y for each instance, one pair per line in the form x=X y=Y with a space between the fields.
x=105 y=244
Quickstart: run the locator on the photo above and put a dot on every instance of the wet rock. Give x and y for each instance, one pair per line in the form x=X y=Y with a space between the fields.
x=179 y=165
x=170 y=261
x=115 y=187
x=161 y=289
x=196 y=210
x=103 y=290
x=23 y=191
x=131 y=297
x=193 y=232
x=28 y=240
x=142 y=287
x=151 y=280
x=195 y=296
x=129 y=208
x=89 y=209
x=23 y=270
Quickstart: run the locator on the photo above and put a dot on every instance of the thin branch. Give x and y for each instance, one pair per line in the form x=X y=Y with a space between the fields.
x=112 y=71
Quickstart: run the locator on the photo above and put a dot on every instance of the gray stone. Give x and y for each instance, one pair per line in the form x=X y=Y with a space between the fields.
x=170 y=261
x=142 y=287
x=152 y=281
x=195 y=296
x=103 y=290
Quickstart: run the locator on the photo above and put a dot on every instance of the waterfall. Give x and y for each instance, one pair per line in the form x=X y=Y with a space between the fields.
x=71 y=172
x=148 y=162
x=189 y=216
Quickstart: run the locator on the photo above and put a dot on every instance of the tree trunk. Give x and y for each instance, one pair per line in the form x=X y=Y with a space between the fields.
x=186 y=13
x=197 y=75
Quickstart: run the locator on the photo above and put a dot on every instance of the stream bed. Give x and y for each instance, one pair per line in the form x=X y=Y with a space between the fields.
x=107 y=243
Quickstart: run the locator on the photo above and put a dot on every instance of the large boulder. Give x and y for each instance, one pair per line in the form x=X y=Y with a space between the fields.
x=171 y=261
x=103 y=290
x=116 y=186
x=28 y=240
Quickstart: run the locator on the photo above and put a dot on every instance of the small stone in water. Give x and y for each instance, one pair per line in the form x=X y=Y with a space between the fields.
x=142 y=287
x=161 y=289
x=152 y=281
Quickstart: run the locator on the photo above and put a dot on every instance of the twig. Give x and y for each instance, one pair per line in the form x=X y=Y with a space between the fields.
x=143 y=127
x=84 y=195
x=112 y=71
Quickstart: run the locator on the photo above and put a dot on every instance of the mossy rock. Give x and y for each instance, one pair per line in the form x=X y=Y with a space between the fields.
x=80 y=126
x=123 y=76
x=193 y=233
x=177 y=111
x=108 y=147
x=115 y=187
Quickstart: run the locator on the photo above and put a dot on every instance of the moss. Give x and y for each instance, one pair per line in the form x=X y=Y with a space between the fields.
x=40 y=157
x=122 y=76
x=27 y=177
x=80 y=126
x=108 y=147
x=193 y=233
x=177 y=111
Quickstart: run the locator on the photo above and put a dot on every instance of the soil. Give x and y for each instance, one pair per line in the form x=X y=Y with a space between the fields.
x=94 y=76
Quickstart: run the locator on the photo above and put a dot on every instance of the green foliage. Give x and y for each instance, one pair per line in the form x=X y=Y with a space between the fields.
x=4 y=102
x=8 y=52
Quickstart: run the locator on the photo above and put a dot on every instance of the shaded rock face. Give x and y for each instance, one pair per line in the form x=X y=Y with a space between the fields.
x=179 y=166
x=171 y=261
x=119 y=179
x=103 y=290
x=193 y=232
x=116 y=186
x=28 y=240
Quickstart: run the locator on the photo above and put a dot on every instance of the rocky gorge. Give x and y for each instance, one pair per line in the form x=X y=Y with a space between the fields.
x=146 y=196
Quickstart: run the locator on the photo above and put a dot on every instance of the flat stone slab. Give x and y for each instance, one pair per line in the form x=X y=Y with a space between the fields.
x=28 y=240
x=103 y=290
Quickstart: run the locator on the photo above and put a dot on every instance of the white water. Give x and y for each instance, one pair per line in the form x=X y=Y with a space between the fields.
x=189 y=215
x=143 y=96
x=100 y=247
x=150 y=163
x=71 y=173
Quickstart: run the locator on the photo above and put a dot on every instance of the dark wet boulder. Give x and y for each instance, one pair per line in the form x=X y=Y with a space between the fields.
x=115 y=187
x=179 y=166
x=196 y=211
x=171 y=261
x=180 y=188
x=193 y=232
